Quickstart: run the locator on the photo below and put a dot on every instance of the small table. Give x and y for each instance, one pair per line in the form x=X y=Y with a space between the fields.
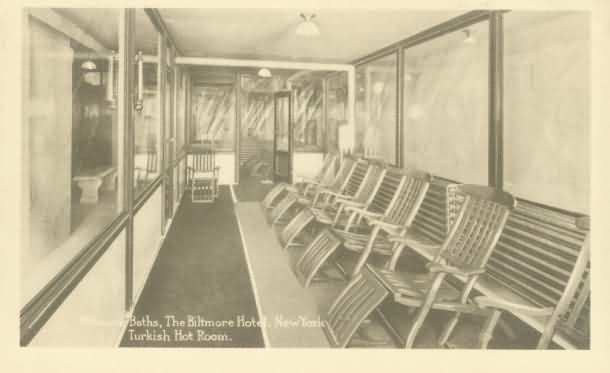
x=89 y=182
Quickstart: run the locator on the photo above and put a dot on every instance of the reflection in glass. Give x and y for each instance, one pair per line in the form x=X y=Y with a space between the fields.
x=336 y=109
x=147 y=126
x=283 y=123
x=446 y=105
x=73 y=140
x=213 y=108
x=308 y=118
x=546 y=113
x=375 y=110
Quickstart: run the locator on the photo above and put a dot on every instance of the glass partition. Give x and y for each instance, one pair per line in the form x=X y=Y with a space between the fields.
x=546 y=112
x=375 y=111
x=147 y=126
x=336 y=109
x=74 y=138
x=213 y=110
x=308 y=118
x=446 y=105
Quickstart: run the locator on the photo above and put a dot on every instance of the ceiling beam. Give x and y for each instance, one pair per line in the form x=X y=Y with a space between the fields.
x=270 y=64
x=68 y=28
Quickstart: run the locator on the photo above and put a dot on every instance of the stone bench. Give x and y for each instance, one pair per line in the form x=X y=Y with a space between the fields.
x=89 y=182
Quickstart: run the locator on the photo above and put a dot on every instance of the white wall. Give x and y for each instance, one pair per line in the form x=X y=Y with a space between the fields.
x=306 y=165
x=147 y=231
x=226 y=162
x=93 y=312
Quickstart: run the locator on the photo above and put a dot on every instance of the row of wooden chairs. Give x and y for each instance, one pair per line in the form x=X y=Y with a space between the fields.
x=386 y=210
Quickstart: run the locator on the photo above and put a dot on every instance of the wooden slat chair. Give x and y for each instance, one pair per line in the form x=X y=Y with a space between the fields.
x=394 y=205
x=203 y=176
x=324 y=177
x=330 y=214
x=540 y=271
x=464 y=254
x=280 y=213
x=371 y=234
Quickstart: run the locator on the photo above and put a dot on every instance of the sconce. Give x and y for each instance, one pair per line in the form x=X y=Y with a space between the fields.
x=110 y=81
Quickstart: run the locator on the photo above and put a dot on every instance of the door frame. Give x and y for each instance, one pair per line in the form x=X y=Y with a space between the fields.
x=280 y=95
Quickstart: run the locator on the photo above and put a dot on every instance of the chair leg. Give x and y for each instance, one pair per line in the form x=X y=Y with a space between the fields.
x=423 y=310
x=366 y=253
x=488 y=328
x=448 y=329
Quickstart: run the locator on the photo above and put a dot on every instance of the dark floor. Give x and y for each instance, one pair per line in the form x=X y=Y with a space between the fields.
x=251 y=188
x=200 y=274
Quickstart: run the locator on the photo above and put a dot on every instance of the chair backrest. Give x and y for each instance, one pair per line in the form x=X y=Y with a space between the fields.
x=431 y=218
x=345 y=170
x=328 y=171
x=204 y=161
x=390 y=184
x=542 y=256
x=371 y=183
x=356 y=177
x=408 y=198
x=475 y=226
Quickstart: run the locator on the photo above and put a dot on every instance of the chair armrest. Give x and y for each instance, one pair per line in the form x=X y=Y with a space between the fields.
x=384 y=225
x=349 y=203
x=336 y=194
x=363 y=212
x=445 y=268
x=306 y=180
x=502 y=304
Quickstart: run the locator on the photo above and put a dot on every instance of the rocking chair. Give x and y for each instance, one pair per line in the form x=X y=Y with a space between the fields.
x=203 y=176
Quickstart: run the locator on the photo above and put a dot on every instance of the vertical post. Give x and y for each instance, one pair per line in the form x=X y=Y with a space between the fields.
x=496 y=90
x=126 y=117
x=325 y=114
x=399 y=107
x=237 y=124
x=162 y=86
x=351 y=105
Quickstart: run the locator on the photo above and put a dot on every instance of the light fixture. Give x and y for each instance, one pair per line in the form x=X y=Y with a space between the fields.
x=469 y=38
x=264 y=73
x=88 y=65
x=307 y=27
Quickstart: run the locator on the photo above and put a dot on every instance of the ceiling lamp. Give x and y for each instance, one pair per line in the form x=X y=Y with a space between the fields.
x=264 y=73
x=88 y=65
x=307 y=27
x=469 y=39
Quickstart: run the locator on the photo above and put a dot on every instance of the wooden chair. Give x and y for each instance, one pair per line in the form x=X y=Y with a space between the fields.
x=369 y=234
x=331 y=213
x=320 y=250
x=540 y=273
x=203 y=176
x=464 y=254
x=279 y=213
x=323 y=178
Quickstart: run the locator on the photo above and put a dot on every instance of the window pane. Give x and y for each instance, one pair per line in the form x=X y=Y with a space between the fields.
x=147 y=124
x=546 y=114
x=214 y=116
x=308 y=119
x=336 y=109
x=376 y=109
x=446 y=105
x=75 y=166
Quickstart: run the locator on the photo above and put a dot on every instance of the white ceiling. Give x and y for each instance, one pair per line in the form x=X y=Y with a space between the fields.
x=269 y=34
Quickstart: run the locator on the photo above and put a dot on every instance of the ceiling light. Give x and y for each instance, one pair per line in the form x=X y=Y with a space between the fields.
x=88 y=65
x=264 y=73
x=307 y=27
x=469 y=38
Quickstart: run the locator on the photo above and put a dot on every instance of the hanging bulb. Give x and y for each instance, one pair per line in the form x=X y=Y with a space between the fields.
x=469 y=39
x=307 y=27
